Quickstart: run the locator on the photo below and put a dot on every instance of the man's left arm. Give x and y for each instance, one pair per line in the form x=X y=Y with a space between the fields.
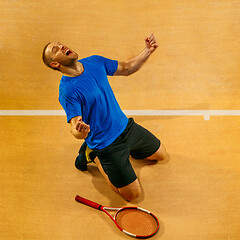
x=132 y=65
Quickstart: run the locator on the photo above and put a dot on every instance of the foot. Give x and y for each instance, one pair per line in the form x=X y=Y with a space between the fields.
x=86 y=155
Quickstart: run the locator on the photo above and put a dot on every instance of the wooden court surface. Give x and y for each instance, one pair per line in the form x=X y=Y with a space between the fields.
x=195 y=194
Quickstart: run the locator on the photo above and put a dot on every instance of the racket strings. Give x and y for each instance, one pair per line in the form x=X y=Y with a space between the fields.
x=137 y=222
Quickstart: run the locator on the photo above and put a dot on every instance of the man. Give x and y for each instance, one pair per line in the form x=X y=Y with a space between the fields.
x=94 y=115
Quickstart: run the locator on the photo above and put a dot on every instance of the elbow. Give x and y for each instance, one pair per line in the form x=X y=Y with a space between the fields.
x=127 y=69
x=129 y=73
x=131 y=68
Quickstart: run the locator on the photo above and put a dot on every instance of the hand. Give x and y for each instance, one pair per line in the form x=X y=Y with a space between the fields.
x=151 y=43
x=82 y=127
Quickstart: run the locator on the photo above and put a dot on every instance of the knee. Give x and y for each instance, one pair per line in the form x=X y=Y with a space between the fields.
x=131 y=191
x=131 y=195
x=161 y=154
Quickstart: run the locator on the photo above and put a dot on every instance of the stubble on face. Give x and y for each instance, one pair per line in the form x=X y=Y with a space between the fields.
x=60 y=53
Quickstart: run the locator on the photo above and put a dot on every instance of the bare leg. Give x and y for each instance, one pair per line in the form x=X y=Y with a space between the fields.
x=129 y=192
x=132 y=190
x=159 y=155
x=96 y=160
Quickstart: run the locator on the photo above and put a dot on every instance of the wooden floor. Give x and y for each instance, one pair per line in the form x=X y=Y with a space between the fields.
x=195 y=194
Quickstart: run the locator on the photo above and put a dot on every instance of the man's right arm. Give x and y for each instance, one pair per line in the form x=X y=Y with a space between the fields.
x=79 y=129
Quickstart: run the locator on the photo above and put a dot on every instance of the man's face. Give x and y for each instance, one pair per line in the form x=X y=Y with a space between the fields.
x=60 y=54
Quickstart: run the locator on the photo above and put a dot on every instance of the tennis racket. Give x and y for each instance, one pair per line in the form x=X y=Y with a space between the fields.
x=133 y=221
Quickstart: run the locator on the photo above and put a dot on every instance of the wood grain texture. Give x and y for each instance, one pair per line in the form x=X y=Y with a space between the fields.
x=196 y=194
x=195 y=67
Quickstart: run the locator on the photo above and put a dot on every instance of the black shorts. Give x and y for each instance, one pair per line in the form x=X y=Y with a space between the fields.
x=135 y=141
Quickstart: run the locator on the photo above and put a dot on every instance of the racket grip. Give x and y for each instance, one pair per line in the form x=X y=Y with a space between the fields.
x=88 y=202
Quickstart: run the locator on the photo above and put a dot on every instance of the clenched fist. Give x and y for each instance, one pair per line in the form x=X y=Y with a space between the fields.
x=82 y=126
x=151 y=43
x=79 y=128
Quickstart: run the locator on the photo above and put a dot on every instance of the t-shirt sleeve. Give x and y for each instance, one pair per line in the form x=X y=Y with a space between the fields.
x=109 y=64
x=71 y=106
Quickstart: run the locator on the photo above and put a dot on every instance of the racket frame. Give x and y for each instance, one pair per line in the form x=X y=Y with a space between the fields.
x=106 y=209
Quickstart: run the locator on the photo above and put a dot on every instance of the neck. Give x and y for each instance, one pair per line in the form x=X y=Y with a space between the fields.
x=73 y=71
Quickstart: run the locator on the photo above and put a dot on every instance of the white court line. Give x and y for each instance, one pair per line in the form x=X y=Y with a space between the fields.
x=205 y=113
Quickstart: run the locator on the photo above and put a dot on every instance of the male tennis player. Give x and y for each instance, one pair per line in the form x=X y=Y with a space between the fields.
x=94 y=115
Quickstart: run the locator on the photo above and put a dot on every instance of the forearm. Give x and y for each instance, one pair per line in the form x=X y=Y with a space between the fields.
x=134 y=64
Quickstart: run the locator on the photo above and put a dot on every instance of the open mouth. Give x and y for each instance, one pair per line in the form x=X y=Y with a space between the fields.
x=68 y=52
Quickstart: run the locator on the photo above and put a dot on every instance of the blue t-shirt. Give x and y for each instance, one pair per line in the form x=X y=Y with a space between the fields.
x=90 y=96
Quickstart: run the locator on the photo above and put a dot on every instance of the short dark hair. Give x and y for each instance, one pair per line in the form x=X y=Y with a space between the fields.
x=46 y=59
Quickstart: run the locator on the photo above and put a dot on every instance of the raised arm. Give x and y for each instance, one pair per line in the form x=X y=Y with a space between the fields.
x=132 y=65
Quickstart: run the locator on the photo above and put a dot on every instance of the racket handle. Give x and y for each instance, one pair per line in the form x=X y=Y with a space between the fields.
x=88 y=202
